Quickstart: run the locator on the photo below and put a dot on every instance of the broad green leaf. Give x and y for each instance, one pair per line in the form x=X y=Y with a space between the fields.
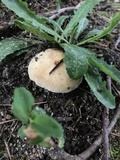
x=47 y=144
x=22 y=104
x=41 y=142
x=82 y=12
x=10 y=45
x=98 y=88
x=46 y=126
x=110 y=70
x=83 y=23
x=37 y=140
x=21 y=133
x=44 y=130
x=114 y=21
x=37 y=112
x=75 y=60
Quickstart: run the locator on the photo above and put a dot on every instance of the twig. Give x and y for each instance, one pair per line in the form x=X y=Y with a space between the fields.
x=8 y=151
x=13 y=128
x=56 y=66
x=5 y=104
x=61 y=154
x=10 y=105
x=117 y=92
x=87 y=153
x=58 y=12
x=7 y=121
x=106 y=155
x=40 y=102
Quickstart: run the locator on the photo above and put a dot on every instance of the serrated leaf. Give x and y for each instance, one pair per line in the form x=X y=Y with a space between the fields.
x=22 y=104
x=40 y=29
x=10 y=45
x=60 y=22
x=110 y=70
x=33 y=29
x=83 y=23
x=46 y=126
x=82 y=12
x=21 y=133
x=98 y=88
x=114 y=21
x=75 y=60
x=36 y=24
x=52 y=22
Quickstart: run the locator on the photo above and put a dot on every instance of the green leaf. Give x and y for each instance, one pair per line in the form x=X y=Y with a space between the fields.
x=98 y=87
x=37 y=140
x=83 y=23
x=33 y=29
x=114 y=21
x=52 y=22
x=82 y=12
x=21 y=9
x=93 y=33
x=10 y=45
x=61 y=20
x=110 y=70
x=75 y=60
x=37 y=112
x=31 y=22
x=46 y=126
x=22 y=104
x=21 y=133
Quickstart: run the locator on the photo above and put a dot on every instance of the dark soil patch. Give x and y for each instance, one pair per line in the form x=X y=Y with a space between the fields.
x=78 y=111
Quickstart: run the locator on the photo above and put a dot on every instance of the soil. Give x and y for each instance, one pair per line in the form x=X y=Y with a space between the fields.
x=79 y=111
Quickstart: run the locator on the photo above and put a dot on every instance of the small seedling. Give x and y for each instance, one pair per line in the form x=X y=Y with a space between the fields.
x=37 y=126
x=79 y=61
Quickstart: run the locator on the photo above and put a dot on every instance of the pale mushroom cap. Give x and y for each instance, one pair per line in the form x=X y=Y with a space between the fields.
x=58 y=81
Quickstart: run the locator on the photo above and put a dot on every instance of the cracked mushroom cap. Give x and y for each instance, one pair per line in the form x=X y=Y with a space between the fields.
x=58 y=81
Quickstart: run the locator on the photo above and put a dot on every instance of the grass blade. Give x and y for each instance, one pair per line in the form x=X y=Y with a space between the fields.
x=82 y=12
x=21 y=9
x=115 y=20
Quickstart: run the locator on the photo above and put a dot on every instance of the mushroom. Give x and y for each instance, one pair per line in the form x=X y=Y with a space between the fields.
x=48 y=71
